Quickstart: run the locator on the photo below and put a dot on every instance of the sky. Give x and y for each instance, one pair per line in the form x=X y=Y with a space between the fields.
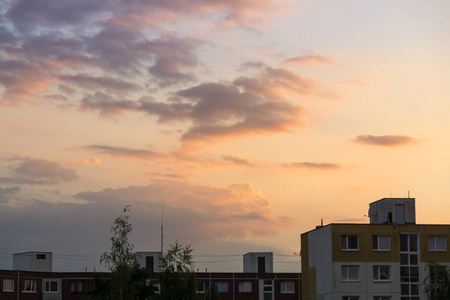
x=246 y=121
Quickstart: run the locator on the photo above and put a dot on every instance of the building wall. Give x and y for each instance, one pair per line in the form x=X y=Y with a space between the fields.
x=316 y=261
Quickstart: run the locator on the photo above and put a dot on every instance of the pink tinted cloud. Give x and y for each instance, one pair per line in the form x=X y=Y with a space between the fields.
x=309 y=60
x=385 y=140
x=229 y=212
x=22 y=81
x=246 y=106
x=314 y=165
x=88 y=161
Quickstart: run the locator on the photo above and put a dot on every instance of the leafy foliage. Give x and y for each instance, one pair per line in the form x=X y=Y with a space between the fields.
x=212 y=293
x=177 y=274
x=437 y=283
x=128 y=281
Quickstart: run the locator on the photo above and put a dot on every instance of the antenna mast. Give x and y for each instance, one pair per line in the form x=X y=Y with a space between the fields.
x=162 y=228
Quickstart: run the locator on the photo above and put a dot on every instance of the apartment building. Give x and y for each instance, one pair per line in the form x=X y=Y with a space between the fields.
x=32 y=279
x=384 y=260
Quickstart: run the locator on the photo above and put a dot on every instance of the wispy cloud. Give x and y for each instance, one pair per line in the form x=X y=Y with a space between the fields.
x=89 y=161
x=124 y=152
x=309 y=60
x=5 y=193
x=237 y=160
x=385 y=140
x=314 y=165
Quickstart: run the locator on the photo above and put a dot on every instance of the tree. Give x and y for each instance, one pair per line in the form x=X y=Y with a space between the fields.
x=437 y=283
x=128 y=281
x=177 y=274
x=212 y=293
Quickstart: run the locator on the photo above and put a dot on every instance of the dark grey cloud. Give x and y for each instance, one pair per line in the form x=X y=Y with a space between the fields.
x=314 y=165
x=86 y=81
x=106 y=105
x=385 y=140
x=172 y=55
x=29 y=15
x=5 y=193
x=248 y=105
x=39 y=172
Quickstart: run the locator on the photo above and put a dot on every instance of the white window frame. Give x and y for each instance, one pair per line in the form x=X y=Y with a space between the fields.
x=47 y=286
x=378 y=237
x=8 y=285
x=345 y=271
x=32 y=286
x=378 y=272
x=288 y=287
x=432 y=245
x=219 y=286
x=345 y=243
x=245 y=286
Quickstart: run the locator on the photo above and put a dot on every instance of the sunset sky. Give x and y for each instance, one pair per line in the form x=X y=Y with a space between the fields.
x=251 y=119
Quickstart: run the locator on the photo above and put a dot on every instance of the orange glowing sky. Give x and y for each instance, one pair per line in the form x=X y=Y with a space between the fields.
x=252 y=119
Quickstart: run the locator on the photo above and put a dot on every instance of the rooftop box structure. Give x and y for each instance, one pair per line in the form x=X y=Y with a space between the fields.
x=33 y=261
x=393 y=211
x=258 y=262
x=149 y=260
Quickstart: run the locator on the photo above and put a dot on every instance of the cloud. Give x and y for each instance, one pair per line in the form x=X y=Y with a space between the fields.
x=252 y=65
x=5 y=193
x=124 y=152
x=246 y=106
x=32 y=14
x=202 y=212
x=237 y=160
x=172 y=54
x=89 y=161
x=309 y=60
x=106 y=104
x=385 y=140
x=312 y=165
x=85 y=81
x=39 y=172
x=22 y=81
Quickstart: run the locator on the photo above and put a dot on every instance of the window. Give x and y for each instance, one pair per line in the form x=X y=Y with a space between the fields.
x=29 y=286
x=40 y=256
x=267 y=289
x=8 y=285
x=437 y=243
x=245 y=287
x=222 y=286
x=79 y=286
x=382 y=273
x=381 y=243
x=201 y=287
x=349 y=243
x=350 y=297
x=287 y=287
x=381 y=297
x=350 y=273
x=51 y=286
